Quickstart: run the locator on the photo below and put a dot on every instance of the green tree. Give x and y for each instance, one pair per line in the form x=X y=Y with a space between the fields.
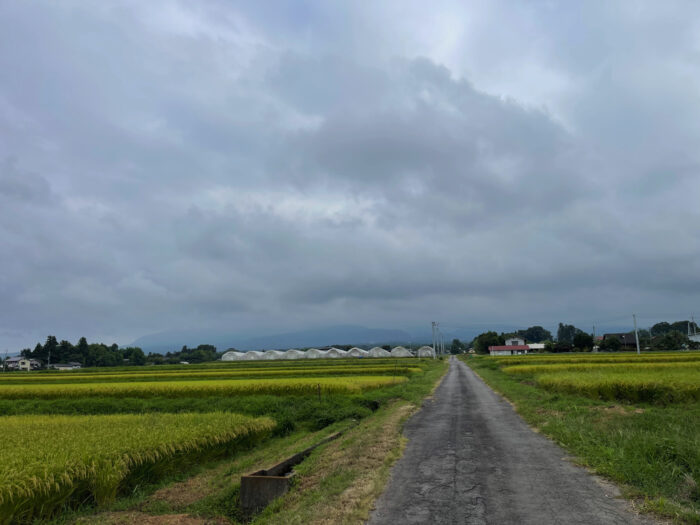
x=482 y=342
x=566 y=333
x=673 y=340
x=610 y=344
x=535 y=334
x=583 y=341
x=457 y=347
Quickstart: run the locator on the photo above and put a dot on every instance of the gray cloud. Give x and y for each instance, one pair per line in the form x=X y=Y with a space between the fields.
x=165 y=165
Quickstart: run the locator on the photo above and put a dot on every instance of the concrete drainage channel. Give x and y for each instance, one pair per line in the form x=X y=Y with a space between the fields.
x=260 y=488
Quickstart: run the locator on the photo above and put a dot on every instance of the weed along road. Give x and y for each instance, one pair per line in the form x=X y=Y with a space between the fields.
x=471 y=459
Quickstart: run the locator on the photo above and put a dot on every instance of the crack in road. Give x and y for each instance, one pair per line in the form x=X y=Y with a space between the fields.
x=472 y=460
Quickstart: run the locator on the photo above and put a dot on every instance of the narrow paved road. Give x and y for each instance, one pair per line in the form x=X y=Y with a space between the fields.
x=471 y=459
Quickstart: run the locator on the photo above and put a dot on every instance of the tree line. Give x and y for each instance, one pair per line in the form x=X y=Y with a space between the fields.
x=100 y=354
x=661 y=336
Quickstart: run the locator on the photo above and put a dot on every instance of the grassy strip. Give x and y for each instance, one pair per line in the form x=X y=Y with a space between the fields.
x=652 y=450
x=205 y=388
x=50 y=462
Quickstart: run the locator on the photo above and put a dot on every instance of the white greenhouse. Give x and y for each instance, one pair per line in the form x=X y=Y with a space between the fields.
x=357 y=352
x=270 y=355
x=233 y=356
x=293 y=354
x=315 y=353
x=378 y=352
x=336 y=353
x=252 y=355
x=400 y=351
x=426 y=351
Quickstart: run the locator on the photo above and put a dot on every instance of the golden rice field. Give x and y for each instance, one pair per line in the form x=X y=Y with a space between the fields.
x=623 y=357
x=47 y=462
x=655 y=378
x=198 y=388
x=258 y=372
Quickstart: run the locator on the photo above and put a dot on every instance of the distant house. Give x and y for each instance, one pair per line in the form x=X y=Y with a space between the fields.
x=627 y=340
x=515 y=341
x=509 y=349
x=22 y=363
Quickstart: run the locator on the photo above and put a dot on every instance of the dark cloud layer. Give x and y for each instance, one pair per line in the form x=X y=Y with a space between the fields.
x=223 y=165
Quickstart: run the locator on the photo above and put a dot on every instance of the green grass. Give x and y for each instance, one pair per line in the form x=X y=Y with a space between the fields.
x=652 y=450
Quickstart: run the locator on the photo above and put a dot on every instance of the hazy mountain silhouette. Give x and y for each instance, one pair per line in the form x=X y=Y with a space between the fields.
x=342 y=334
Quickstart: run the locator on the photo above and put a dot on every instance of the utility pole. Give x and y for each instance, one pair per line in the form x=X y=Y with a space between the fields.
x=636 y=335
x=433 y=327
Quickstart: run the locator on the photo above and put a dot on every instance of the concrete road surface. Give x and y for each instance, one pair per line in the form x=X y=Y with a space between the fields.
x=470 y=459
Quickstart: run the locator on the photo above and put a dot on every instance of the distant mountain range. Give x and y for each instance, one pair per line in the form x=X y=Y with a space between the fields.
x=332 y=335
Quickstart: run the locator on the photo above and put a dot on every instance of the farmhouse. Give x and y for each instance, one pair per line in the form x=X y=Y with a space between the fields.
x=509 y=349
x=514 y=341
x=627 y=340
x=22 y=363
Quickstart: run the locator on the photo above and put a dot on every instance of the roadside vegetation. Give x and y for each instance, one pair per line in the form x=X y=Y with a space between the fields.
x=632 y=418
x=85 y=441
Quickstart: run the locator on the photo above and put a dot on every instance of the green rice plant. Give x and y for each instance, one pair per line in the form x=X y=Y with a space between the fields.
x=661 y=386
x=139 y=375
x=48 y=463
x=626 y=357
x=602 y=367
x=201 y=388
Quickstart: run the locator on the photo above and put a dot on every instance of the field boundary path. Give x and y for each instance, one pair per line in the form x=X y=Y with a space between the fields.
x=471 y=459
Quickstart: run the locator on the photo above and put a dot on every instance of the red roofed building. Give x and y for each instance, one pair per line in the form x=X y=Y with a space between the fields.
x=508 y=349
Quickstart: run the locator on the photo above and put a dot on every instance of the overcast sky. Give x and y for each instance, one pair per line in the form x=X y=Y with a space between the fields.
x=266 y=166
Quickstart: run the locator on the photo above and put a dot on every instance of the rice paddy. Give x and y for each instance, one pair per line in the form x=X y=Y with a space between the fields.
x=124 y=427
x=47 y=461
x=655 y=378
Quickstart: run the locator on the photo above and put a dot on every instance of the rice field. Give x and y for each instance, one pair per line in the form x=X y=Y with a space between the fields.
x=47 y=462
x=256 y=372
x=133 y=426
x=200 y=388
x=672 y=377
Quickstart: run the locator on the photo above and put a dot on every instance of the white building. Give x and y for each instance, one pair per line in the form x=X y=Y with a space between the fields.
x=400 y=351
x=315 y=353
x=357 y=352
x=293 y=353
x=336 y=353
x=515 y=341
x=233 y=356
x=378 y=352
x=426 y=351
